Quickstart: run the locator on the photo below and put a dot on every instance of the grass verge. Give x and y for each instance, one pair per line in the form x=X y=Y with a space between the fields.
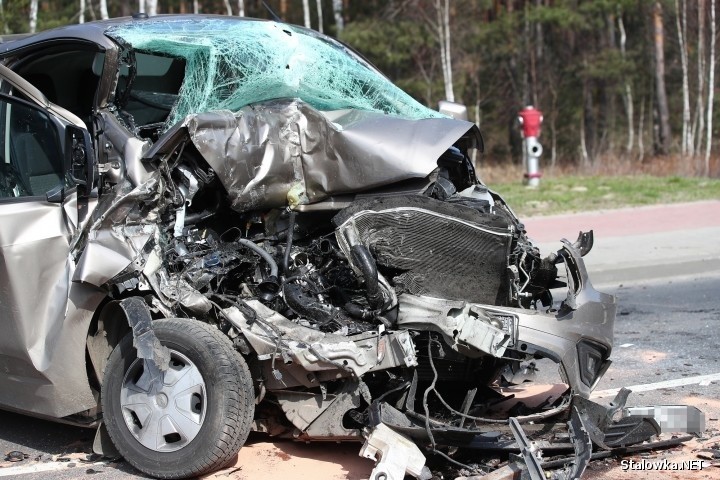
x=580 y=193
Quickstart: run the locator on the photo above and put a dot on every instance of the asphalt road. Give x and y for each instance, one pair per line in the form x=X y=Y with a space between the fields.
x=666 y=330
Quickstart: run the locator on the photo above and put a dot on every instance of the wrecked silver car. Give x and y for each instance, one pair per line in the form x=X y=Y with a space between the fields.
x=214 y=225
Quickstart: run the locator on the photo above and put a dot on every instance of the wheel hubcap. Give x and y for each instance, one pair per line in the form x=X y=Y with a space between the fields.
x=164 y=419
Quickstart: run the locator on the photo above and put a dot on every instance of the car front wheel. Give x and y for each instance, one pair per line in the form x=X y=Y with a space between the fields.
x=192 y=423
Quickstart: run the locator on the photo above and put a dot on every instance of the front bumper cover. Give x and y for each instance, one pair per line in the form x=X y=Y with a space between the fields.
x=578 y=335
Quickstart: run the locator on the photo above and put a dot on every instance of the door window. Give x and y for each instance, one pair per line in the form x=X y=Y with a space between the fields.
x=31 y=157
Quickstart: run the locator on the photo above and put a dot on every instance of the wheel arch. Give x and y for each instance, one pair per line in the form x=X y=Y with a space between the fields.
x=108 y=326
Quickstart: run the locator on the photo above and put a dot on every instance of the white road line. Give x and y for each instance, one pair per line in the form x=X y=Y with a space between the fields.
x=647 y=387
x=34 y=468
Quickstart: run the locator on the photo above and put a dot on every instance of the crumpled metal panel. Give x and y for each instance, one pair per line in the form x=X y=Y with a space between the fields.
x=121 y=226
x=287 y=152
x=316 y=352
x=396 y=455
x=44 y=325
x=467 y=328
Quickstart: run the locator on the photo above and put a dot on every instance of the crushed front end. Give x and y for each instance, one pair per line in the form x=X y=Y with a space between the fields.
x=378 y=290
x=394 y=315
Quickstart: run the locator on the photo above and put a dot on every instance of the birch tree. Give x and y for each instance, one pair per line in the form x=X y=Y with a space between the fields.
x=241 y=8
x=196 y=7
x=306 y=13
x=320 y=15
x=686 y=143
x=338 y=14
x=699 y=121
x=141 y=6
x=152 y=7
x=442 y=27
x=228 y=7
x=628 y=95
x=104 y=10
x=83 y=7
x=711 y=89
x=33 y=15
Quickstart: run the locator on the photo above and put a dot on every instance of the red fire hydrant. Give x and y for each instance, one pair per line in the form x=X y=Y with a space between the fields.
x=531 y=120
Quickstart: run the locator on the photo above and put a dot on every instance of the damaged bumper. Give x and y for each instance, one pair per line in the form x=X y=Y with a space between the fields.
x=577 y=336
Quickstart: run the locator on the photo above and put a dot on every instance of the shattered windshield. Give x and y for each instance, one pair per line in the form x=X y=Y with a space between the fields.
x=233 y=63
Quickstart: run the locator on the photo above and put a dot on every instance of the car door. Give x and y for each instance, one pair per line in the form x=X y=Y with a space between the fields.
x=40 y=349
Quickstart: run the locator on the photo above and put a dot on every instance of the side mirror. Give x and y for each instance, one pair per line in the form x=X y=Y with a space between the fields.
x=80 y=154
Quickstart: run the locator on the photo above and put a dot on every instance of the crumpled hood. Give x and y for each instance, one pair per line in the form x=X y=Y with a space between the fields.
x=286 y=152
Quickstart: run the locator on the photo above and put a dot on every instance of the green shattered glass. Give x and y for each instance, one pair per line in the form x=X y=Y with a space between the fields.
x=231 y=63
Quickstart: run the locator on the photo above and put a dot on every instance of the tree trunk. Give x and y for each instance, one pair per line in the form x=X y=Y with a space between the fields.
x=553 y=125
x=228 y=8
x=442 y=9
x=641 y=121
x=686 y=143
x=628 y=96
x=478 y=120
x=535 y=52
x=584 y=157
x=699 y=121
x=448 y=53
x=91 y=8
x=152 y=7
x=525 y=61
x=33 y=15
x=104 y=10
x=83 y=7
x=141 y=6
x=320 y=16
x=241 y=8
x=606 y=96
x=338 y=14
x=663 y=144
x=711 y=90
x=306 y=13
x=589 y=125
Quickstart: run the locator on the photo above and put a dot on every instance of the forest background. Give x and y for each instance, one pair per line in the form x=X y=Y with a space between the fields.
x=626 y=86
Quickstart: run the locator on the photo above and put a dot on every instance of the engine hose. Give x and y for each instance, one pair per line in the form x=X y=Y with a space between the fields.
x=306 y=305
x=261 y=253
x=358 y=312
x=288 y=244
x=366 y=263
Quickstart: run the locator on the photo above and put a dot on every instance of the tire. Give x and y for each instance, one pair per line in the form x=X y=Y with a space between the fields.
x=198 y=421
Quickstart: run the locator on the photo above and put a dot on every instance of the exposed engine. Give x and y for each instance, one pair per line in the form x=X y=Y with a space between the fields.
x=342 y=271
x=401 y=306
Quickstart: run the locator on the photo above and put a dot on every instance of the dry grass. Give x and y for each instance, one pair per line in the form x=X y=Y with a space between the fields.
x=610 y=183
x=609 y=166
